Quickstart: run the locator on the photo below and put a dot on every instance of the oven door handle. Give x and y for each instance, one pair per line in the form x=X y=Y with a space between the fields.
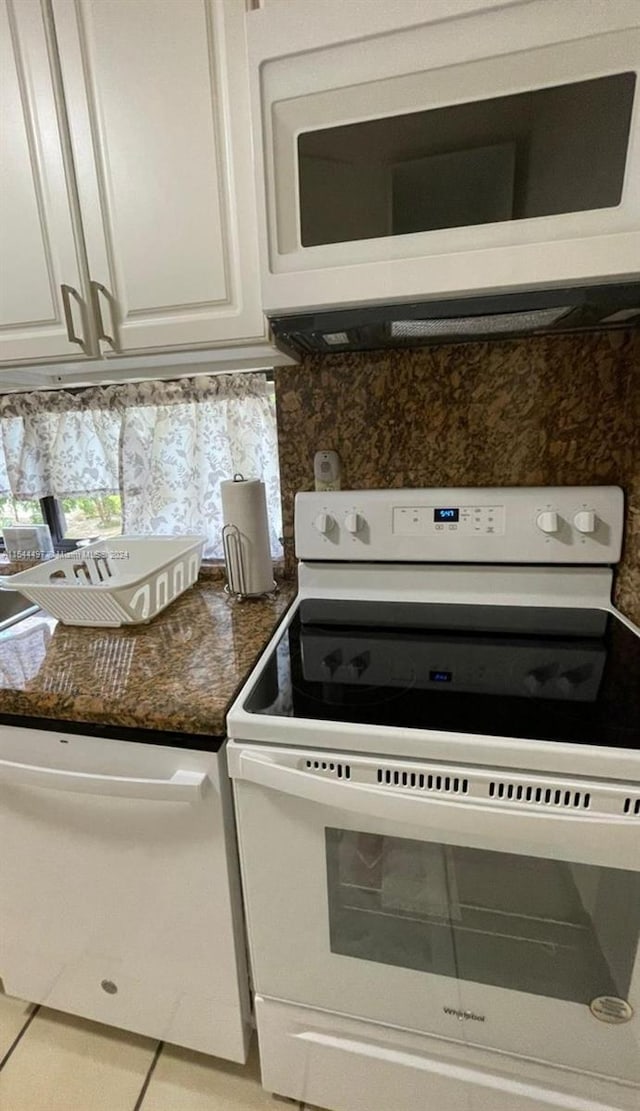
x=183 y=786
x=517 y=829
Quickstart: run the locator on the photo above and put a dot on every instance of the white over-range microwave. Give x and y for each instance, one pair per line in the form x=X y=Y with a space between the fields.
x=427 y=149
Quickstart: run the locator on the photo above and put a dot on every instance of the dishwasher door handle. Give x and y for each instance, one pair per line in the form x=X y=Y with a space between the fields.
x=184 y=786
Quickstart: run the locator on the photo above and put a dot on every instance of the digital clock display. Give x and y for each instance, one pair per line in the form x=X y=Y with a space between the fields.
x=450 y=515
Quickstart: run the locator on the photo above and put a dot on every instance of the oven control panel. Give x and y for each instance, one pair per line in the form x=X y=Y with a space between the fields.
x=513 y=524
x=423 y=520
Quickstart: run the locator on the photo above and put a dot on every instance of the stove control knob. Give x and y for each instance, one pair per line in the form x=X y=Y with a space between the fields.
x=585 y=521
x=324 y=523
x=569 y=681
x=548 y=521
x=353 y=523
x=330 y=664
x=536 y=679
x=358 y=665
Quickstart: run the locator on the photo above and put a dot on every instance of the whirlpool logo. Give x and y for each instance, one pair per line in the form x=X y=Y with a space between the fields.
x=463 y=1015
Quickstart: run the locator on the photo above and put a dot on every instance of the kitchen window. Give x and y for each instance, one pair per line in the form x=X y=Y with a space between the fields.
x=141 y=458
x=92 y=515
x=14 y=512
x=69 y=519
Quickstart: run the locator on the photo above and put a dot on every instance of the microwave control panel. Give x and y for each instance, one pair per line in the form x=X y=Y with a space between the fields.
x=557 y=524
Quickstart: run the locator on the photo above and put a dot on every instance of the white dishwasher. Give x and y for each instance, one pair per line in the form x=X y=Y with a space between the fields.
x=119 y=886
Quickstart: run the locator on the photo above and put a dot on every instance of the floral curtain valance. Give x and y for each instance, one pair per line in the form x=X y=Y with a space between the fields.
x=119 y=397
x=165 y=446
x=60 y=454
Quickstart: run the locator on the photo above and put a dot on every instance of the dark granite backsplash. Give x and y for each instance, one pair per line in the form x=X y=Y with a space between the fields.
x=553 y=410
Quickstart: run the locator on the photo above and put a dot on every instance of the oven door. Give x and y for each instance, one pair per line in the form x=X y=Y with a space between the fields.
x=447 y=901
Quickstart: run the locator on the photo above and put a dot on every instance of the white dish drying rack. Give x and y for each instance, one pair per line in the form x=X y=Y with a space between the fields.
x=126 y=580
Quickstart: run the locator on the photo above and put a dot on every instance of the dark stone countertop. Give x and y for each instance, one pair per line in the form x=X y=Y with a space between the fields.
x=179 y=673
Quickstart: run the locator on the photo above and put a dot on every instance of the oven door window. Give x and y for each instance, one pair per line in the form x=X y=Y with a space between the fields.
x=552 y=928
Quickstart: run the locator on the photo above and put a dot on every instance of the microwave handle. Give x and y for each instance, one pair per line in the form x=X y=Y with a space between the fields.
x=521 y=831
x=184 y=786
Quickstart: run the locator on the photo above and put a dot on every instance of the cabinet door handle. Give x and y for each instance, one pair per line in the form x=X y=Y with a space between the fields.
x=67 y=292
x=98 y=288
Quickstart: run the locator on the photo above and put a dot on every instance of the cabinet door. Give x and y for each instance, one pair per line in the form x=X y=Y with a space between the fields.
x=158 y=110
x=42 y=311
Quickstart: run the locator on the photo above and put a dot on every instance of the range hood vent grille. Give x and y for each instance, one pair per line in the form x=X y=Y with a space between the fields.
x=496 y=324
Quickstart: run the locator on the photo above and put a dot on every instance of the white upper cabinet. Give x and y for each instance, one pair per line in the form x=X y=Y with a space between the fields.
x=43 y=311
x=417 y=149
x=158 y=109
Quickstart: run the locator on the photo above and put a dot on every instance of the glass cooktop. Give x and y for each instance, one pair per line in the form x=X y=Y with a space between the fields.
x=549 y=674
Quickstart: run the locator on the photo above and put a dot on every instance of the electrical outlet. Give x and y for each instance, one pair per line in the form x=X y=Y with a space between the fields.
x=327 y=470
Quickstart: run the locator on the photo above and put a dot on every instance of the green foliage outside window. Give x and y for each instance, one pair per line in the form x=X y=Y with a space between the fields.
x=93 y=515
x=14 y=512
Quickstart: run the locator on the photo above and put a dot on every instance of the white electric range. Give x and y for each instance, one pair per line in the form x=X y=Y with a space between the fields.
x=436 y=768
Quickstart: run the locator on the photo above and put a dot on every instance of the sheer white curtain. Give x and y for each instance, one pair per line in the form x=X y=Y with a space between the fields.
x=165 y=446
x=5 y=485
x=182 y=440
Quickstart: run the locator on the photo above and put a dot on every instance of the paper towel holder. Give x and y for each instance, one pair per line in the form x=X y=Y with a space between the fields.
x=236 y=585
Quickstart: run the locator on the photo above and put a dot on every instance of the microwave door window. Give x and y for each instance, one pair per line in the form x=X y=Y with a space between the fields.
x=552 y=928
x=536 y=153
x=455 y=189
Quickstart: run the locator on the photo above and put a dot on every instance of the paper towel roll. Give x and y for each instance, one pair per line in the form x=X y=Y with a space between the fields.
x=244 y=504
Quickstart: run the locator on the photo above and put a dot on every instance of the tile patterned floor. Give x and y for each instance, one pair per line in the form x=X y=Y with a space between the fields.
x=55 y=1062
